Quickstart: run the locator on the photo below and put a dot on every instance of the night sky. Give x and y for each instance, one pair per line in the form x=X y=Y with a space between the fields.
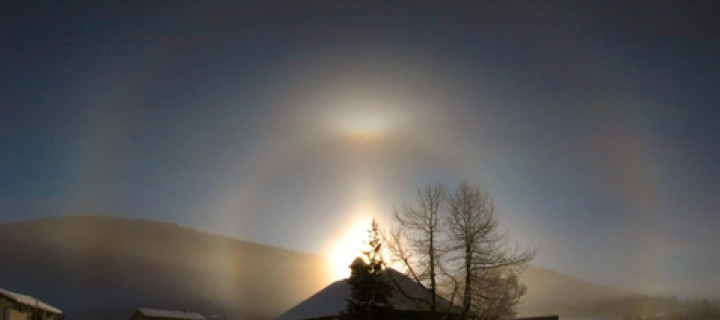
x=594 y=126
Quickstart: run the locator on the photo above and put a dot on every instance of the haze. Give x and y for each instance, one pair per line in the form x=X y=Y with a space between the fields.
x=595 y=127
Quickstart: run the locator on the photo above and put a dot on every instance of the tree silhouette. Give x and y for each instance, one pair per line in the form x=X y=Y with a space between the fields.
x=449 y=242
x=369 y=292
x=417 y=244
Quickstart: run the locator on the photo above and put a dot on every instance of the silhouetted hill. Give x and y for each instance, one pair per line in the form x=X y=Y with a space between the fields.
x=106 y=267
x=550 y=292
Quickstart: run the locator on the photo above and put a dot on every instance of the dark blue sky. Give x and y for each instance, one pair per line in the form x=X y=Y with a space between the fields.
x=595 y=126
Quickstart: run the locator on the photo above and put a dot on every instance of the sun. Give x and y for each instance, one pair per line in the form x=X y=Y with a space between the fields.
x=351 y=242
x=347 y=247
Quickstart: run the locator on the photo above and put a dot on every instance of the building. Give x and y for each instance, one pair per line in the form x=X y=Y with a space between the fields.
x=327 y=303
x=17 y=306
x=157 y=314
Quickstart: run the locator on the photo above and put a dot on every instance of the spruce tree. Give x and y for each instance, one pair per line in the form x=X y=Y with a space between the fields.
x=369 y=292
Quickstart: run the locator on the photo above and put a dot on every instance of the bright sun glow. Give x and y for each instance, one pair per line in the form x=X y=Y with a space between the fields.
x=347 y=247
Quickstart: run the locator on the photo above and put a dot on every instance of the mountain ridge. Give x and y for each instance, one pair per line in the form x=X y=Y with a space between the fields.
x=115 y=265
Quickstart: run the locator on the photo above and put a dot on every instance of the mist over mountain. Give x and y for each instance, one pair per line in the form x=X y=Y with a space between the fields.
x=550 y=292
x=96 y=267
x=106 y=267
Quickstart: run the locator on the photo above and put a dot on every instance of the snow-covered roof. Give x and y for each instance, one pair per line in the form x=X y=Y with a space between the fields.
x=174 y=314
x=331 y=300
x=29 y=301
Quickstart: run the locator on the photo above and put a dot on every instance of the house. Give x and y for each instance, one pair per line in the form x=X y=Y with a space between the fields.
x=157 y=314
x=327 y=303
x=17 y=306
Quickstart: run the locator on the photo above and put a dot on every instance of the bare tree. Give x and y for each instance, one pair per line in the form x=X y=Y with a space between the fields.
x=488 y=267
x=453 y=240
x=414 y=243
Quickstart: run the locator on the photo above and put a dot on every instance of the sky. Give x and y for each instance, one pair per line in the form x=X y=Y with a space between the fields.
x=594 y=126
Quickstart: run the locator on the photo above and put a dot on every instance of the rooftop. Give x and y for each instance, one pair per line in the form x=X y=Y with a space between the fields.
x=28 y=301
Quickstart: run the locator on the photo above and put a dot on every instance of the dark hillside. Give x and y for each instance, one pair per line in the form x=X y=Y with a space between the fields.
x=550 y=292
x=105 y=267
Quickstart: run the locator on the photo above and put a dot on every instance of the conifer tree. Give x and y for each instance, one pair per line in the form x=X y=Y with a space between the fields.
x=369 y=292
